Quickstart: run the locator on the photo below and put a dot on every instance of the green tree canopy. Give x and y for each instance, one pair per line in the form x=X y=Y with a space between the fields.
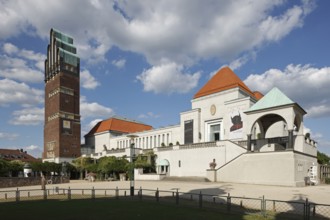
x=146 y=161
x=322 y=158
x=46 y=167
x=15 y=166
x=107 y=165
x=4 y=167
x=81 y=163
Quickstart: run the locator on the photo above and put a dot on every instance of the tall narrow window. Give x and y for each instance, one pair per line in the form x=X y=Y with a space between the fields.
x=189 y=132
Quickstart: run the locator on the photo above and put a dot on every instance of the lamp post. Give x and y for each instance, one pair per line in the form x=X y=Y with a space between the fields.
x=64 y=168
x=132 y=136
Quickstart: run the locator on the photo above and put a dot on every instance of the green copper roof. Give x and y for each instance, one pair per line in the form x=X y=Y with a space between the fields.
x=69 y=58
x=62 y=36
x=272 y=99
x=66 y=46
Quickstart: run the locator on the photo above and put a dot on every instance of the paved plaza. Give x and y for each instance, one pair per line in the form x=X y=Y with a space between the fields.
x=317 y=194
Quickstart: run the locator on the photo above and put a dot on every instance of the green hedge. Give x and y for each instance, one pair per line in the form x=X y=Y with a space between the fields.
x=327 y=180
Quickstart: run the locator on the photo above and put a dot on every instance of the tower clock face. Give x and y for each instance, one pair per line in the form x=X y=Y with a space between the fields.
x=213 y=109
x=66 y=124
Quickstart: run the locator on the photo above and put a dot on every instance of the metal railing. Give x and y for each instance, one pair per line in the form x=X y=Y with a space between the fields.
x=302 y=209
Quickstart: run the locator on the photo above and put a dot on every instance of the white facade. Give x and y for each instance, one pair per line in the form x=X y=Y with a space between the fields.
x=263 y=145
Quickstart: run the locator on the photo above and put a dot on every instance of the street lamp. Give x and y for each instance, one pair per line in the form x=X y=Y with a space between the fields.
x=64 y=168
x=132 y=136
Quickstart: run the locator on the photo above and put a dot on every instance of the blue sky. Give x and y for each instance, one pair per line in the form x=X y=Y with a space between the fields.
x=145 y=60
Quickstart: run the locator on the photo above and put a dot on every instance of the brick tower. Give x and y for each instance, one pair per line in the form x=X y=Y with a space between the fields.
x=62 y=93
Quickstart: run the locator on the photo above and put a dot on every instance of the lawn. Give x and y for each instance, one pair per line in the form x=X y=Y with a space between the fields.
x=108 y=209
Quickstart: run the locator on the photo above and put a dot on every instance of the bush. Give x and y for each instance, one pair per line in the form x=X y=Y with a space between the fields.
x=327 y=180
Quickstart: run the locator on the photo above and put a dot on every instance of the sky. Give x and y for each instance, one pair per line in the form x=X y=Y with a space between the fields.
x=145 y=59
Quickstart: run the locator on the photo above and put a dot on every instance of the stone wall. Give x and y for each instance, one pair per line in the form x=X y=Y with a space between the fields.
x=281 y=168
x=6 y=182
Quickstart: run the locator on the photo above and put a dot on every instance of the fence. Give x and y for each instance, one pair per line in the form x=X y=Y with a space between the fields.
x=293 y=209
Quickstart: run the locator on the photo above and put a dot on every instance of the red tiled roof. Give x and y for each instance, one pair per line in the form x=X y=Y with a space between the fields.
x=258 y=95
x=119 y=125
x=9 y=154
x=223 y=80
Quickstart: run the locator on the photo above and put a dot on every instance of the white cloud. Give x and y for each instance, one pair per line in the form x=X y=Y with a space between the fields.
x=93 y=123
x=119 y=63
x=33 y=150
x=275 y=28
x=172 y=32
x=93 y=109
x=163 y=31
x=10 y=48
x=319 y=111
x=8 y=136
x=87 y=81
x=28 y=116
x=304 y=84
x=86 y=127
x=19 y=93
x=14 y=68
x=20 y=64
x=168 y=78
x=32 y=147
x=149 y=115
x=313 y=135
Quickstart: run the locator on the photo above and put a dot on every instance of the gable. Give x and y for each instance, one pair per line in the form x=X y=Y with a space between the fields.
x=274 y=98
x=119 y=125
x=223 y=80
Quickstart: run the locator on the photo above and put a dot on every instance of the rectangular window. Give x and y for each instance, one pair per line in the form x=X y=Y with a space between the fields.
x=189 y=132
x=215 y=132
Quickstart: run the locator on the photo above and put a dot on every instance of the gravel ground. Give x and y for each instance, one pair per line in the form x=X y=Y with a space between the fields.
x=317 y=194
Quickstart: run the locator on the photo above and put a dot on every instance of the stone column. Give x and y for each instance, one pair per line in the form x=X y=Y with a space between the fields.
x=249 y=142
x=290 y=140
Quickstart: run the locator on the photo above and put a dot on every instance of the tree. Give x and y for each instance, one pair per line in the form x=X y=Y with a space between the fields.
x=112 y=165
x=146 y=161
x=4 y=168
x=322 y=158
x=82 y=163
x=121 y=165
x=142 y=162
x=47 y=168
x=37 y=166
x=15 y=166
x=106 y=164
